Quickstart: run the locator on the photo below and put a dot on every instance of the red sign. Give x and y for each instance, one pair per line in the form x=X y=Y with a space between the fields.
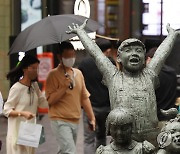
x=45 y=66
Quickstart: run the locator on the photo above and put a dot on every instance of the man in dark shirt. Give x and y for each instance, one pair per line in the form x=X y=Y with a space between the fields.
x=166 y=92
x=99 y=99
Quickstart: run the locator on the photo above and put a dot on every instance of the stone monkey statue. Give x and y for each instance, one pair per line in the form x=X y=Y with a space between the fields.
x=133 y=86
x=169 y=138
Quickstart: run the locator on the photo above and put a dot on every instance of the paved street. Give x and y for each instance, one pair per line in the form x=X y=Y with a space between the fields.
x=50 y=146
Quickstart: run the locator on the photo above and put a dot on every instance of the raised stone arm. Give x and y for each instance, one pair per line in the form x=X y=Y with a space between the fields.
x=103 y=63
x=163 y=50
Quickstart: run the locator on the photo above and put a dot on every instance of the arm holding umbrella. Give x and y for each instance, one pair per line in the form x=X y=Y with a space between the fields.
x=103 y=63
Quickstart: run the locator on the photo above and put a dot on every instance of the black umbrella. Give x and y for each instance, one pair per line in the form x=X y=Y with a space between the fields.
x=49 y=30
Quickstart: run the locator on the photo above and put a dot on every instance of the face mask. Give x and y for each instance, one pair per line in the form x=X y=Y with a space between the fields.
x=69 y=62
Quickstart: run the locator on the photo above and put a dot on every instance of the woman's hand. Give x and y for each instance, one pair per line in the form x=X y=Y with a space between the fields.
x=28 y=115
x=76 y=27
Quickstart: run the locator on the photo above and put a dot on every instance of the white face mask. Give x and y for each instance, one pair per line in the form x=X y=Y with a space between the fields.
x=68 y=62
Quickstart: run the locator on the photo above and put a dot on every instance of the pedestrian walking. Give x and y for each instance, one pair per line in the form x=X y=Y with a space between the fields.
x=0 y=144
x=67 y=94
x=1 y=106
x=22 y=103
x=166 y=93
x=99 y=99
x=1 y=103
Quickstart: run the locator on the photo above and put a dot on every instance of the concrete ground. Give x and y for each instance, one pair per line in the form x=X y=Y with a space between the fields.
x=50 y=146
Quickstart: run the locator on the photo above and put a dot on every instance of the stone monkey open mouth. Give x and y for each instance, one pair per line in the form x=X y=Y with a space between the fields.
x=134 y=60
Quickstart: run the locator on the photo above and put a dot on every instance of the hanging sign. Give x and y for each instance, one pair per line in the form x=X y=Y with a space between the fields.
x=82 y=7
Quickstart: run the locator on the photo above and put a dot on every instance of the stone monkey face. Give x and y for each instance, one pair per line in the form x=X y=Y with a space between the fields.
x=132 y=58
x=121 y=133
x=119 y=124
x=174 y=129
x=170 y=139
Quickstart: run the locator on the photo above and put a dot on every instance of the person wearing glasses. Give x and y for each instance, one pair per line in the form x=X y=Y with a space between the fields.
x=67 y=94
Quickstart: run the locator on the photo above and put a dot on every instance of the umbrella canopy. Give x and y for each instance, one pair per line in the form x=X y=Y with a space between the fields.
x=49 y=30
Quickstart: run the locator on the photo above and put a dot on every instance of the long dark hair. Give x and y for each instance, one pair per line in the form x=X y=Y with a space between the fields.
x=17 y=72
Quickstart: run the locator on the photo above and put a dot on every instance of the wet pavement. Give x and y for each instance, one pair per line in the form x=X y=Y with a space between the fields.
x=50 y=146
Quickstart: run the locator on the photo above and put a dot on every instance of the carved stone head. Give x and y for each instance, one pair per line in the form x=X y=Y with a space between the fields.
x=131 y=55
x=119 y=125
x=171 y=141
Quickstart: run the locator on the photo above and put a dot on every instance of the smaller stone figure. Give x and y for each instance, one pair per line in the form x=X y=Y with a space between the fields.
x=169 y=138
x=119 y=124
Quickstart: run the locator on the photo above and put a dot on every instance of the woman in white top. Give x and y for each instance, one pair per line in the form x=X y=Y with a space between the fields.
x=22 y=103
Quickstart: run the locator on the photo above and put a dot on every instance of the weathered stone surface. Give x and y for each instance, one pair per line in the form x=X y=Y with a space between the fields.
x=133 y=86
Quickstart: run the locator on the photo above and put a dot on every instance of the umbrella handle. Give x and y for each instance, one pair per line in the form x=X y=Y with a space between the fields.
x=67 y=75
